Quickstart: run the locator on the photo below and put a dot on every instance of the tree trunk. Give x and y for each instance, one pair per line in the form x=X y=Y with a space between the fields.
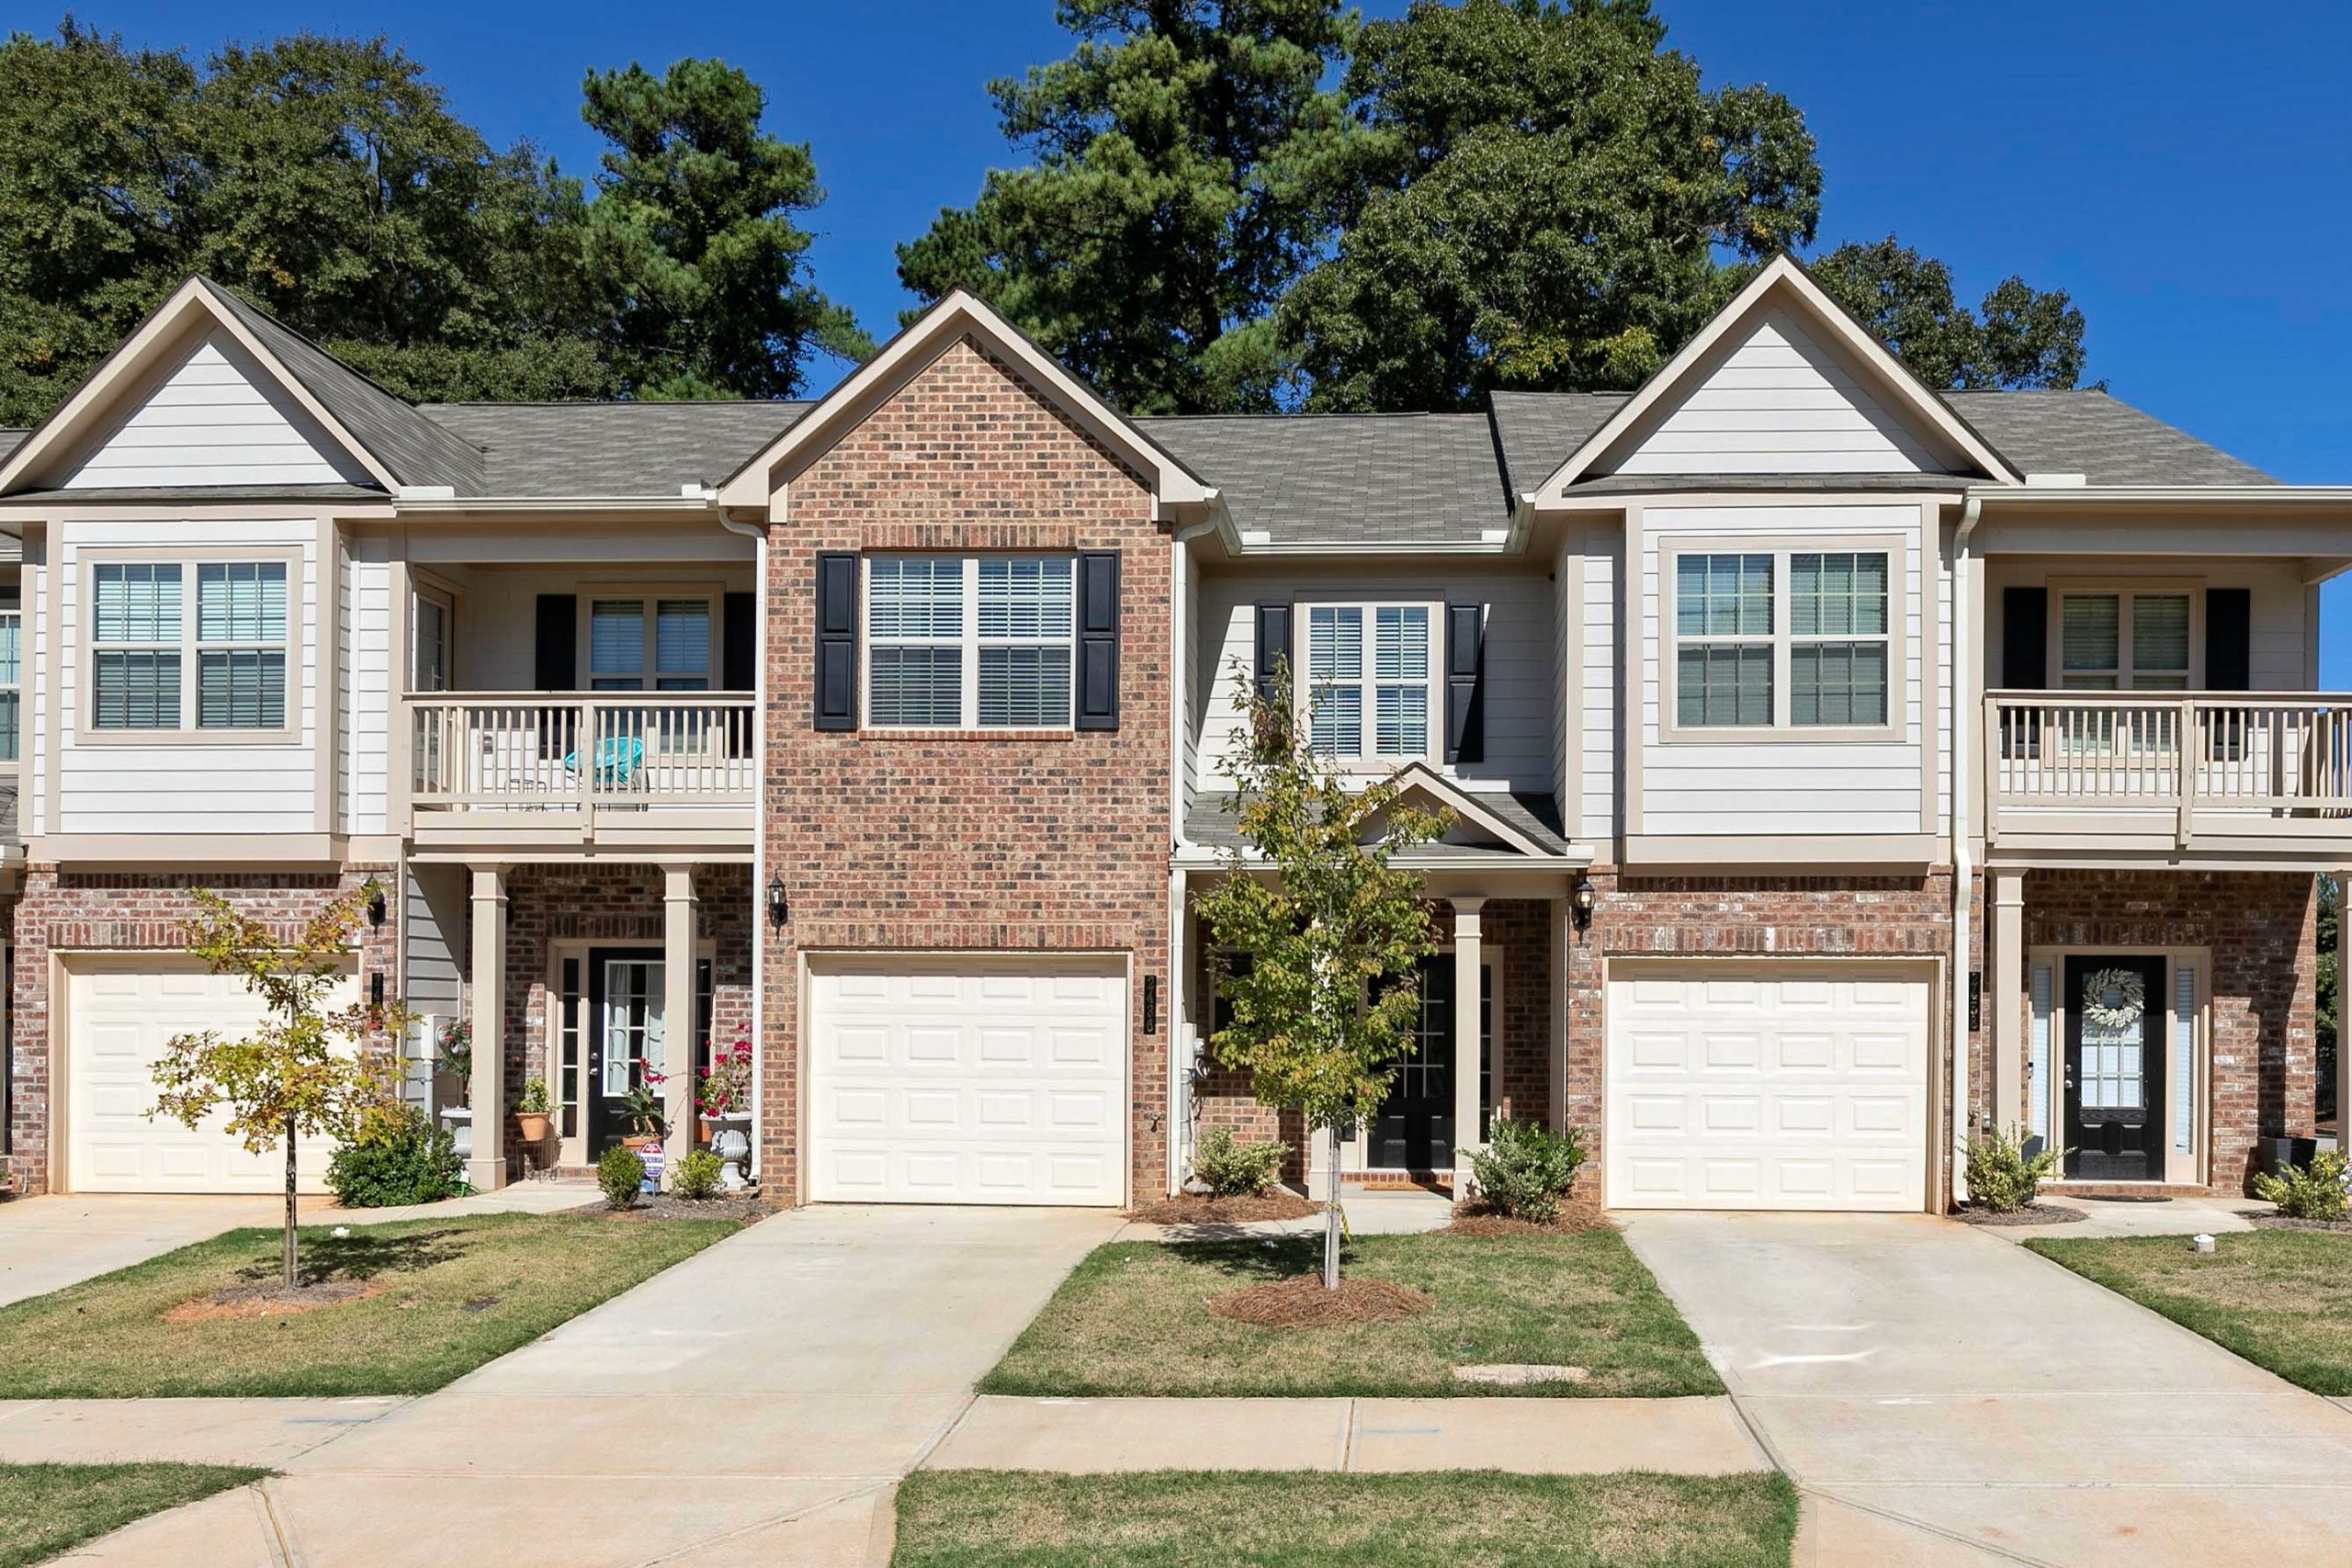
x=289 y=1204
x=1331 y=1213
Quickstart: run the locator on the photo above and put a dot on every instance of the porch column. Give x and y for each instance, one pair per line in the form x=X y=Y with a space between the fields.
x=2343 y=1046
x=677 y=1014
x=1466 y=1043
x=2005 y=937
x=486 y=1167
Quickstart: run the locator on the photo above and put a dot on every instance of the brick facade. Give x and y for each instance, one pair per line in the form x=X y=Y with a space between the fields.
x=1043 y=842
x=66 y=912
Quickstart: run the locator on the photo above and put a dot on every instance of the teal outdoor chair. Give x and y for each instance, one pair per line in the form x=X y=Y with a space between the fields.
x=620 y=759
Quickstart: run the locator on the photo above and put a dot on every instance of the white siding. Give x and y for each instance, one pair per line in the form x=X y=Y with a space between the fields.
x=39 y=735
x=1782 y=785
x=2281 y=632
x=217 y=419
x=365 y=713
x=1520 y=690
x=1776 y=402
x=497 y=623
x=1196 y=680
x=1597 y=626
x=178 y=785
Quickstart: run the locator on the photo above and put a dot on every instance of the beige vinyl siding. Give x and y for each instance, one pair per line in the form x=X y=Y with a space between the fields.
x=40 y=734
x=217 y=419
x=2282 y=633
x=1195 y=680
x=433 y=927
x=1698 y=786
x=1776 y=402
x=1595 y=628
x=364 y=715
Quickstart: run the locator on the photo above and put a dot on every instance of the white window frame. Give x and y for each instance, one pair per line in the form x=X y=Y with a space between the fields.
x=1781 y=639
x=2126 y=589
x=969 y=641
x=12 y=684
x=1372 y=761
x=444 y=599
x=650 y=596
x=88 y=558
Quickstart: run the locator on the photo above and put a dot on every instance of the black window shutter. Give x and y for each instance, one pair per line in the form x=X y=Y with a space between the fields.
x=556 y=663
x=836 y=640
x=1274 y=643
x=1098 y=639
x=2229 y=639
x=2025 y=638
x=739 y=644
x=1465 y=738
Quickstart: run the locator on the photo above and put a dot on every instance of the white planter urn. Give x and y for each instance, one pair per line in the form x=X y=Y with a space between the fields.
x=459 y=1120
x=730 y=1140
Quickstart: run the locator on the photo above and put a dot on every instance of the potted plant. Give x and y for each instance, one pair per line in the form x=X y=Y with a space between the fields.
x=725 y=1099
x=533 y=1120
x=641 y=1112
x=453 y=1055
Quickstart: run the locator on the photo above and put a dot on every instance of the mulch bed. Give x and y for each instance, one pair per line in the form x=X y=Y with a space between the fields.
x=271 y=1299
x=1201 y=1209
x=740 y=1208
x=2031 y=1214
x=1301 y=1302
x=1474 y=1219
x=2265 y=1220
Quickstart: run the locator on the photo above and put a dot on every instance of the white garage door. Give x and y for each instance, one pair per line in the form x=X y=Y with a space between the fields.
x=973 y=1080
x=119 y=1017
x=1768 y=1086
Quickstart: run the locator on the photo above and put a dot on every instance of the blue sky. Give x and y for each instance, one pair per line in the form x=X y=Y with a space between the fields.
x=2179 y=168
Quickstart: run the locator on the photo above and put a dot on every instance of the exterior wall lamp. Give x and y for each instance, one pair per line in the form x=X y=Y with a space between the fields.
x=779 y=910
x=375 y=906
x=1580 y=902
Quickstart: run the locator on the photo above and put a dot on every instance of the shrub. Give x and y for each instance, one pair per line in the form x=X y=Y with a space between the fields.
x=399 y=1157
x=620 y=1173
x=697 y=1174
x=2002 y=1178
x=1231 y=1168
x=1525 y=1169
x=535 y=1098
x=2313 y=1192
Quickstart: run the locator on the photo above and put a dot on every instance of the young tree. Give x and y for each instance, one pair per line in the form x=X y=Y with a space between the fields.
x=1325 y=1005
x=305 y=1070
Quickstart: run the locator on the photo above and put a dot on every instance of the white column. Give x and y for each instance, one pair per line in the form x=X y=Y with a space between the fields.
x=2004 y=1002
x=1466 y=1057
x=486 y=1167
x=677 y=1014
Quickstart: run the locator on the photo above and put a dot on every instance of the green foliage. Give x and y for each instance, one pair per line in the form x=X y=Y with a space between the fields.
x=621 y=1174
x=697 y=1174
x=2002 y=1178
x=401 y=1158
x=2313 y=1192
x=1229 y=1168
x=535 y=1097
x=1182 y=153
x=642 y=1110
x=2021 y=337
x=1525 y=1169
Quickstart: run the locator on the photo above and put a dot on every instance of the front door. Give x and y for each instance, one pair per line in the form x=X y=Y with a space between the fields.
x=1415 y=1128
x=625 y=1037
x=2115 y=1065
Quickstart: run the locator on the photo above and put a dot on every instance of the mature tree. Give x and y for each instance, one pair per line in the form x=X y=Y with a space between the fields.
x=305 y=1070
x=2020 y=336
x=1325 y=1007
x=1543 y=208
x=1182 y=155
x=695 y=226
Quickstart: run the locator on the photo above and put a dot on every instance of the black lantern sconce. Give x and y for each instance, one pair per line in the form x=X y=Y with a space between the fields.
x=1580 y=902
x=376 y=907
x=778 y=910
x=375 y=992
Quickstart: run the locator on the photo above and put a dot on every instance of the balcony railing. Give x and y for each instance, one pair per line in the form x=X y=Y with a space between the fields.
x=2248 y=763
x=591 y=753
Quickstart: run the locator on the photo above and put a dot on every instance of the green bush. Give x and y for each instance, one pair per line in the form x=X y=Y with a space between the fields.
x=2313 y=1192
x=1231 y=1168
x=401 y=1158
x=620 y=1173
x=697 y=1174
x=1525 y=1169
x=2002 y=1178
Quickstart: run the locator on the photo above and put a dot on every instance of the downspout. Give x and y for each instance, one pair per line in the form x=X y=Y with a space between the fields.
x=1177 y=1021
x=1962 y=715
x=759 y=537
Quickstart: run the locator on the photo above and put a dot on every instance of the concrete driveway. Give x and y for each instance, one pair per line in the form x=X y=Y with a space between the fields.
x=753 y=1404
x=1946 y=1398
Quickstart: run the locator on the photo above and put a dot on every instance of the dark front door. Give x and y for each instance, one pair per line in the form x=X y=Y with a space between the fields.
x=2115 y=1066
x=1415 y=1128
x=625 y=1035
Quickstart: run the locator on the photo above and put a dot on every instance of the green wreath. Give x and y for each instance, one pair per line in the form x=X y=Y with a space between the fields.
x=2128 y=989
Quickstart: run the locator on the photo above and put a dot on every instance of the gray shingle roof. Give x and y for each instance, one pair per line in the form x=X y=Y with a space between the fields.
x=10 y=440
x=1538 y=429
x=1212 y=826
x=2092 y=433
x=615 y=449
x=1346 y=479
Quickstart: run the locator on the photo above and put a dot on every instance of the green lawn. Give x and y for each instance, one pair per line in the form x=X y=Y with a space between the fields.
x=965 y=1518
x=2280 y=1298
x=46 y=1509
x=456 y=1293
x=1130 y=1320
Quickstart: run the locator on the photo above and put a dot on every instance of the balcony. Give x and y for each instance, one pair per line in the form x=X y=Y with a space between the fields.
x=552 y=770
x=2253 y=776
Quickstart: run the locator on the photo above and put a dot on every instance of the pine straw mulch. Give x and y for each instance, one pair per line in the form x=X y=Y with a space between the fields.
x=1239 y=1209
x=1301 y=1302
x=2036 y=1213
x=271 y=1299
x=1477 y=1219
x=2265 y=1220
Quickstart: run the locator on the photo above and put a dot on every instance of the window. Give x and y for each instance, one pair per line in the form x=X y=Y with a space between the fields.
x=434 y=644
x=1791 y=640
x=11 y=680
x=668 y=638
x=155 y=667
x=1370 y=670
x=969 y=642
x=2109 y=642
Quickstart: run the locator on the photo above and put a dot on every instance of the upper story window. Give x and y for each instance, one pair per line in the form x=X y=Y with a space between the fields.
x=2109 y=642
x=1369 y=672
x=11 y=678
x=156 y=666
x=639 y=643
x=1782 y=640
x=969 y=642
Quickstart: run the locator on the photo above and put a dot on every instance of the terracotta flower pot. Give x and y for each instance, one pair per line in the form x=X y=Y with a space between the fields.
x=532 y=1125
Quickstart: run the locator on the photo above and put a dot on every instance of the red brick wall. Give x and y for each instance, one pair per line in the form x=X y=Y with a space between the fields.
x=1043 y=842
x=1521 y=930
x=101 y=911
x=2262 y=930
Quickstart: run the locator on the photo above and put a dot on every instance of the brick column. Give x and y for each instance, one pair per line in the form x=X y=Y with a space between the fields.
x=2343 y=1055
x=1467 y=1044
x=486 y=1167
x=677 y=1015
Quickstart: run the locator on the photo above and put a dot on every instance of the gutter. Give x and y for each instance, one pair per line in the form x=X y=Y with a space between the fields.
x=1971 y=509
x=2143 y=495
